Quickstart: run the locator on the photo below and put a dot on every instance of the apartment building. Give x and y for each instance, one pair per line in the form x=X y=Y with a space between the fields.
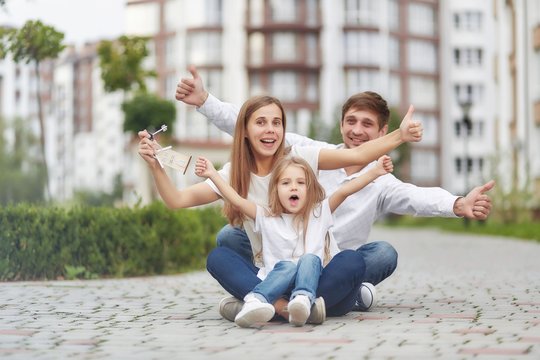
x=517 y=80
x=311 y=54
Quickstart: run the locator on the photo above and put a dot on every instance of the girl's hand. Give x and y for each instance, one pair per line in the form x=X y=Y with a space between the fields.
x=147 y=149
x=204 y=167
x=384 y=165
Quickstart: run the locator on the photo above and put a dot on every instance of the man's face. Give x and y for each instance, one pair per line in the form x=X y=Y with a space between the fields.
x=360 y=126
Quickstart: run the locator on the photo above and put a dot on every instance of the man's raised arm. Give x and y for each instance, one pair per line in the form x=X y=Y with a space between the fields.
x=223 y=115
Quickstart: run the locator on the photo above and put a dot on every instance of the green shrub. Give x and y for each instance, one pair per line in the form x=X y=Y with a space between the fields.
x=524 y=229
x=49 y=243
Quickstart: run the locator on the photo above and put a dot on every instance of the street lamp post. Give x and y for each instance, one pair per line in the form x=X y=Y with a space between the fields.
x=467 y=122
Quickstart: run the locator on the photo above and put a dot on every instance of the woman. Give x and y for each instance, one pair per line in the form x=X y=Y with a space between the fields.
x=257 y=145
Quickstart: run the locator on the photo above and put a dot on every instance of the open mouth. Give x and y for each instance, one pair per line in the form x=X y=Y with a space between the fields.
x=293 y=200
x=268 y=142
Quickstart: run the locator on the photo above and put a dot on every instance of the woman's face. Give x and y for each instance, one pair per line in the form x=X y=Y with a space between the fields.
x=264 y=130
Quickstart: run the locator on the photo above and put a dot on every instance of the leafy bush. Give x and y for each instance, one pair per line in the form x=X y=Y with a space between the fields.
x=49 y=243
x=523 y=230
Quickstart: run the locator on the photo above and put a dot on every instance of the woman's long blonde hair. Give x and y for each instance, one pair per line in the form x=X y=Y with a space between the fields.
x=242 y=157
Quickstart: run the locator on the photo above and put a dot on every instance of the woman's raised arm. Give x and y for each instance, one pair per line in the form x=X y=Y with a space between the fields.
x=198 y=194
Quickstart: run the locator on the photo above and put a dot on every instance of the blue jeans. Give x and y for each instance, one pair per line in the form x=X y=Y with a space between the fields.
x=379 y=256
x=289 y=278
x=338 y=284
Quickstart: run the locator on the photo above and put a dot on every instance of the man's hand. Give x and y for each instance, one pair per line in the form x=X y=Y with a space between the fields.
x=476 y=205
x=191 y=91
x=411 y=131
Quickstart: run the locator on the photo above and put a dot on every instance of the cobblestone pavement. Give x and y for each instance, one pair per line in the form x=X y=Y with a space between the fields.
x=452 y=297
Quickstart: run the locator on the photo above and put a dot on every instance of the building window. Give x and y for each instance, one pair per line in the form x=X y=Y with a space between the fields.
x=431 y=128
x=468 y=21
x=422 y=56
x=312 y=12
x=423 y=91
x=394 y=52
x=213 y=81
x=204 y=48
x=424 y=166
x=256 y=12
x=362 y=48
x=213 y=11
x=394 y=90
x=458 y=167
x=284 y=47
x=256 y=49
x=362 y=80
x=421 y=19
x=284 y=85
x=393 y=15
x=312 y=50
x=473 y=93
x=471 y=57
x=362 y=12
x=283 y=11
x=312 y=91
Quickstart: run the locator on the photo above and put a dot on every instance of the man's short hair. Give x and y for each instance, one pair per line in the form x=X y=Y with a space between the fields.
x=368 y=101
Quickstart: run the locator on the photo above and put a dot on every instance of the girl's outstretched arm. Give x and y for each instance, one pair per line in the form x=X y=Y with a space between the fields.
x=384 y=166
x=205 y=168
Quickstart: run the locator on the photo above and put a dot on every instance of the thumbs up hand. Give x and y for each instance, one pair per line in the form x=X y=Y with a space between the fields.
x=476 y=204
x=191 y=90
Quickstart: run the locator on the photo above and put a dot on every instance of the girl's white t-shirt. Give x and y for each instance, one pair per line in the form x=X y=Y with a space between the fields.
x=281 y=240
x=258 y=193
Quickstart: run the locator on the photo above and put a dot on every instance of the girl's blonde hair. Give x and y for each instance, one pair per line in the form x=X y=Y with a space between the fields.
x=242 y=157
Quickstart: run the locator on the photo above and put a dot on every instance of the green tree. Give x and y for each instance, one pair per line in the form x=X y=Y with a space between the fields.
x=34 y=43
x=401 y=156
x=22 y=176
x=121 y=64
x=148 y=111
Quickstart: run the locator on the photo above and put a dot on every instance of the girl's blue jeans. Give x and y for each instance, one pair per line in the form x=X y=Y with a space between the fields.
x=288 y=278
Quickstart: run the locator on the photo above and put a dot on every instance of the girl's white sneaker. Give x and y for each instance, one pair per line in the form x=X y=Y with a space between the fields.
x=254 y=311
x=299 y=310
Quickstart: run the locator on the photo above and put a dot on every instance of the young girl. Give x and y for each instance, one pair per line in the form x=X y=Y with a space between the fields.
x=294 y=229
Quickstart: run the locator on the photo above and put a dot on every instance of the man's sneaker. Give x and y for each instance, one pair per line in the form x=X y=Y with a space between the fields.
x=366 y=298
x=299 y=310
x=254 y=311
x=318 y=312
x=229 y=307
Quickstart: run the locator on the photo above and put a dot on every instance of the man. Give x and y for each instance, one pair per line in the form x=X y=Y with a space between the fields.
x=364 y=117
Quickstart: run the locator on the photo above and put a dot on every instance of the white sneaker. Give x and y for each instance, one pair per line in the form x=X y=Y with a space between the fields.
x=299 y=310
x=366 y=298
x=318 y=312
x=229 y=307
x=254 y=311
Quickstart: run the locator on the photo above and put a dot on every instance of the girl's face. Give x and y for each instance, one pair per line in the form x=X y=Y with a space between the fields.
x=264 y=130
x=292 y=189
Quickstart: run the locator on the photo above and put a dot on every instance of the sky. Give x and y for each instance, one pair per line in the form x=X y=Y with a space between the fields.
x=80 y=20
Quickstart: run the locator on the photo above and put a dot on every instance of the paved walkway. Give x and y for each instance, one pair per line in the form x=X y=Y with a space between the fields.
x=452 y=297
